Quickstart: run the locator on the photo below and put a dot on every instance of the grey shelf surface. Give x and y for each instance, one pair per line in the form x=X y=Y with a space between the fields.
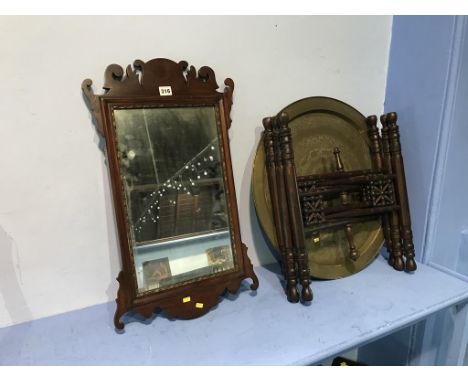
x=249 y=328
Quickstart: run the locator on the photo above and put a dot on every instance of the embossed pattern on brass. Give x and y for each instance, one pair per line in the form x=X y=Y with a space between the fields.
x=318 y=125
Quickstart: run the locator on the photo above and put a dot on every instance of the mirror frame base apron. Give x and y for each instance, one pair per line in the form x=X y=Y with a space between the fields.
x=146 y=85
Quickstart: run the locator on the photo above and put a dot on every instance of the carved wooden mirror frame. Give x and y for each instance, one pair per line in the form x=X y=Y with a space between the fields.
x=161 y=83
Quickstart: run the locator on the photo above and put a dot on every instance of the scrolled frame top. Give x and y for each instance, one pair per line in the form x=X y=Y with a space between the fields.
x=145 y=79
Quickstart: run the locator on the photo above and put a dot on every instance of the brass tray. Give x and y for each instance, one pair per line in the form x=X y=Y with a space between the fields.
x=318 y=124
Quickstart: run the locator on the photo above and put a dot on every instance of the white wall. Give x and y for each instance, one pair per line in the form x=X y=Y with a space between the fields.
x=58 y=244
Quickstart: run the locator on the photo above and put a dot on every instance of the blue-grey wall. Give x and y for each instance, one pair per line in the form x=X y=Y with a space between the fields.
x=419 y=65
x=451 y=203
x=427 y=85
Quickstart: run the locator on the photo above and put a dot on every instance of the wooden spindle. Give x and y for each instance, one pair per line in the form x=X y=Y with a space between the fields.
x=375 y=144
x=269 y=146
x=395 y=251
x=379 y=164
x=401 y=191
x=290 y=267
x=295 y=214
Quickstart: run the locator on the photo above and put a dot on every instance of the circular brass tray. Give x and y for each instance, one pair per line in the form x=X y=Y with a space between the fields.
x=318 y=124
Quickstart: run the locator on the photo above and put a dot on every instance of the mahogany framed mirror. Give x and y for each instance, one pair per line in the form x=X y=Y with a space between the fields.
x=166 y=133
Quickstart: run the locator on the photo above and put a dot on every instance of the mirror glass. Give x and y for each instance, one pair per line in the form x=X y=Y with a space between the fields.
x=171 y=167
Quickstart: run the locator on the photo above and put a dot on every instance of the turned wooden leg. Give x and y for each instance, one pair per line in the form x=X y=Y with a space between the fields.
x=294 y=209
x=408 y=249
x=402 y=194
x=379 y=150
x=290 y=265
x=375 y=143
x=270 y=146
x=397 y=261
x=388 y=220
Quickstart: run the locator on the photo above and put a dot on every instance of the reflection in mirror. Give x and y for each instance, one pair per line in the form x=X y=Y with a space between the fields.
x=170 y=163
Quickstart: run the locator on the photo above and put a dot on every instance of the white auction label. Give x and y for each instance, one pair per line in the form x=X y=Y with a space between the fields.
x=165 y=91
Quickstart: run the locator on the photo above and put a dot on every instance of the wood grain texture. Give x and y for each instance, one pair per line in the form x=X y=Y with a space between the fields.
x=402 y=193
x=337 y=199
x=138 y=86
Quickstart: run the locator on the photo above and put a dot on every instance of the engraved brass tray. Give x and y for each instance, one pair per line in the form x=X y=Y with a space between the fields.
x=318 y=125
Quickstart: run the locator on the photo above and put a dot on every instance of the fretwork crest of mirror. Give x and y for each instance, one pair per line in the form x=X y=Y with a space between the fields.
x=168 y=151
x=151 y=78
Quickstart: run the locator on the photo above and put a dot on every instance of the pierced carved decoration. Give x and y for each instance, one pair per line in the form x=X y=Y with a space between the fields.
x=337 y=199
x=144 y=79
x=307 y=187
x=313 y=210
x=161 y=83
x=381 y=192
